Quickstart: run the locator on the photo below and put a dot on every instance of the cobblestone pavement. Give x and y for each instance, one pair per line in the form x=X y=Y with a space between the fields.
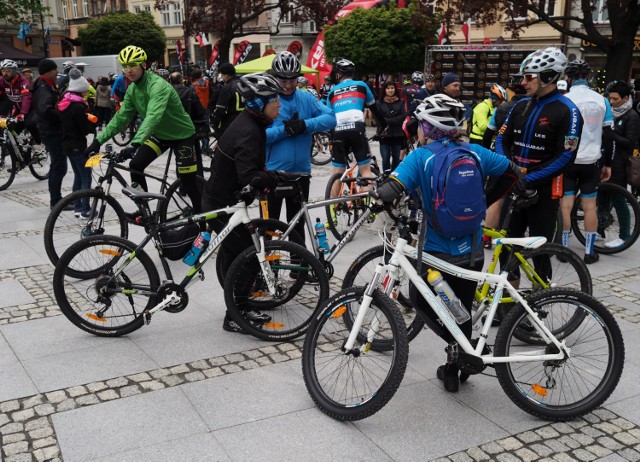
x=29 y=430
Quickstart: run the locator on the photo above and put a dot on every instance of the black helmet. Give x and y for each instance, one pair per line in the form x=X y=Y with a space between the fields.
x=578 y=68
x=285 y=65
x=344 y=66
x=258 y=89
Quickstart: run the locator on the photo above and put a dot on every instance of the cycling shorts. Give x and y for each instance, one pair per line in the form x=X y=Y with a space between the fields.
x=583 y=177
x=344 y=141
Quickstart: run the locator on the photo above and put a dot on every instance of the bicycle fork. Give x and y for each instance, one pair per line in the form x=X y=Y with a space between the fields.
x=364 y=308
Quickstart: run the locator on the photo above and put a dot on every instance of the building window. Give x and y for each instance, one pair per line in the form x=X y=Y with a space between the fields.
x=147 y=8
x=64 y=10
x=177 y=14
x=74 y=7
x=136 y=9
x=166 y=16
x=430 y=5
x=85 y=8
x=601 y=12
x=114 y=7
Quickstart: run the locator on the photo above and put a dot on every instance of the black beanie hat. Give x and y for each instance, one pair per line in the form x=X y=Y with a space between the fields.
x=45 y=65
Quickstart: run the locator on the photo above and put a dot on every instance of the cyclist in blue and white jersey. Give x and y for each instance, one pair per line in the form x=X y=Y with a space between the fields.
x=348 y=99
x=585 y=174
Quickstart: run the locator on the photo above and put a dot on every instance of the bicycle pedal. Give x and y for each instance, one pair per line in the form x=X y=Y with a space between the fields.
x=201 y=275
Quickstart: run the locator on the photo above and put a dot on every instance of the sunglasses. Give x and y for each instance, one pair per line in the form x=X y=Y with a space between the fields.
x=130 y=65
x=288 y=81
x=530 y=77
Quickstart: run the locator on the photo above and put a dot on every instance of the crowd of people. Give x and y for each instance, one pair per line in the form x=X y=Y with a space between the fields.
x=530 y=135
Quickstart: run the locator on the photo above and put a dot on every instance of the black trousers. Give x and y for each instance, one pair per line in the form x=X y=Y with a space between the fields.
x=293 y=206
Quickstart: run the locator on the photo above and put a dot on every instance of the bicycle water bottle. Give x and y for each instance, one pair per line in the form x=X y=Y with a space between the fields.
x=196 y=248
x=321 y=235
x=443 y=289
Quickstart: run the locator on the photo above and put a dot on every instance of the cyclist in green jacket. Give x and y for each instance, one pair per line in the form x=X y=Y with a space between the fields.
x=483 y=111
x=165 y=124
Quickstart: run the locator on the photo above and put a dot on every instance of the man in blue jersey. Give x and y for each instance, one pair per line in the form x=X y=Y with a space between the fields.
x=585 y=173
x=290 y=136
x=541 y=136
x=348 y=99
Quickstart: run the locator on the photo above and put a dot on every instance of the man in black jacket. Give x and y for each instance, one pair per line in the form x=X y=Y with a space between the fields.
x=44 y=101
x=626 y=133
x=196 y=111
x=229 y=104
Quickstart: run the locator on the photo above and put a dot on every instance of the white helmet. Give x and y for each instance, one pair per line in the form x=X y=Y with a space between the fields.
x=441 y=111
x=499 y=92
x=67 y=64
x=541 y=61
x=285 y=65
x=562 y=85
x=9 y=64
x=417 y=77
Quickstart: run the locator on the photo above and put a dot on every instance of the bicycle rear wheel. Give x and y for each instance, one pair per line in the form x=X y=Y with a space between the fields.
x=568 y=388
x=7 y=167
x=178 y=204
x=618 y=218
x=360 y=273
x=342 y=215
x=63 y=228
x=301 y=287
x=354 y=385
x=100 y=302
x=321 y=148
x=40 y=162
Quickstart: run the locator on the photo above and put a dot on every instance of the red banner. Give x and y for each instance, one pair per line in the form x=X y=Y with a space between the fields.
x=240 y=50
x=268 y=52
x=295 y=48
x=215 y=51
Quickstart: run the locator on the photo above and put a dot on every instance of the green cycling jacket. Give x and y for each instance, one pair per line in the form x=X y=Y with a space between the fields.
x=481 y=117
x=157 y=102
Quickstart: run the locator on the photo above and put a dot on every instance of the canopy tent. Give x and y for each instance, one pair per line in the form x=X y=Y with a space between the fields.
x=264 y=64
x=23 y=58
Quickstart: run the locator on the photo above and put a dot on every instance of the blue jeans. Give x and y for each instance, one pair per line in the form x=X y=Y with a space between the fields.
x=390 y=153
x=58 y=168
x=81 y=180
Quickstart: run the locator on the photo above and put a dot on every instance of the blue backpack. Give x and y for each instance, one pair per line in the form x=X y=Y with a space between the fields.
x=458 y=205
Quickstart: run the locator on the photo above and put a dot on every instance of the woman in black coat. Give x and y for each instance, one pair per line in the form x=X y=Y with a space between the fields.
x=392 y=138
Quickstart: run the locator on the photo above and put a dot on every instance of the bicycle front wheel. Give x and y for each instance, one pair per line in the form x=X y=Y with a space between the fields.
x=342 y=215
x=618 y=219
x=40 y=163
x=7 y=167
x=360 y=274
x=178 y=204
x=321 y=149
x=271 y=229
x=563 y=389
x=124 y=137
x=352 y=385
x=103 y=303
x=63 y=228
x=301 y=286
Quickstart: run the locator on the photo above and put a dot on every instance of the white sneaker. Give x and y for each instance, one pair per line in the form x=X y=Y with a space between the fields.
x=615 y=243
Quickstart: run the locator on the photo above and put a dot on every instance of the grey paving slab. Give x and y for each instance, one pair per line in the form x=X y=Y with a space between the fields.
x=245 y=399
x=305 y=435
x=18 y=254
x=12 y=293
x=99 y=362
x=427 y=422
x=628 y=408
x=14 y=381
x=50 y=336
x=127 y=424
x=189 y=343
x=197 y=448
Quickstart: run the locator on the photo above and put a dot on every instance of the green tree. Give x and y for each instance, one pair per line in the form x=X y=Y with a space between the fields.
x=18 y=11
x=386 y=39
x=110 y=34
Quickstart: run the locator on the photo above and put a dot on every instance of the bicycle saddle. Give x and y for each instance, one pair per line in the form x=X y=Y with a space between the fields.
x=292 y=176
x=139 y=196
x=524 y=242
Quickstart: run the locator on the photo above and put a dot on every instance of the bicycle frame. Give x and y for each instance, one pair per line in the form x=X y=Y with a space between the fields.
x=338 y=246
x=400 y=261
x=239 y=216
